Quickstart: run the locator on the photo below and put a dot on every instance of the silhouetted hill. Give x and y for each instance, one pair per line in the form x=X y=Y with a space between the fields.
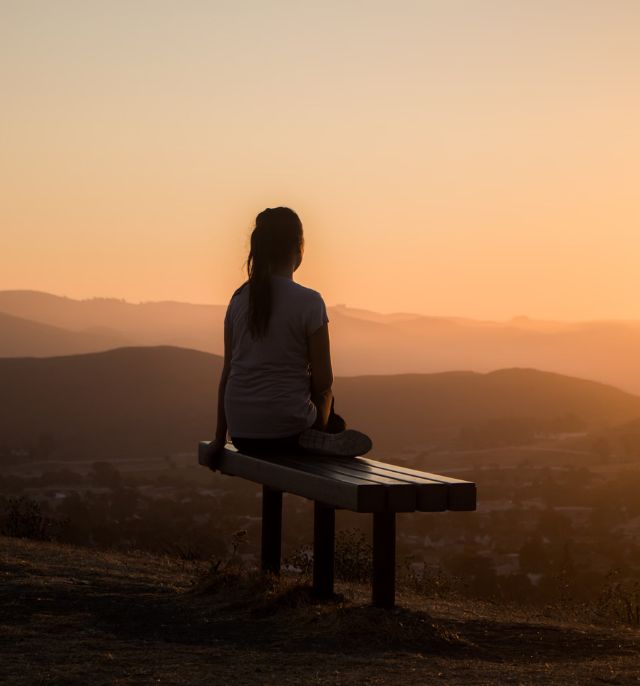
x=21 y=337
x=138 y=619
x=365 y=342
x=137 y=401
x=130 y=402
x=410 y=405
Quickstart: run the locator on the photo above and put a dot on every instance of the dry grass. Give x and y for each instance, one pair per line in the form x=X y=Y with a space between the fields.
x=73 y=617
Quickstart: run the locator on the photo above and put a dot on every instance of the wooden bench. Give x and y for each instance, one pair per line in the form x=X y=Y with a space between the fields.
x=354 y=483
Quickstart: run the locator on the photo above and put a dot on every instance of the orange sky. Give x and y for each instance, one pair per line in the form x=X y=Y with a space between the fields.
x=475 y=158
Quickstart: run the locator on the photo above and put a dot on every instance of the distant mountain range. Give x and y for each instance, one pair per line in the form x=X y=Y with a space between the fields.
x=21 y=337
x=154 y=323
x=151 y=401
x=363 y=342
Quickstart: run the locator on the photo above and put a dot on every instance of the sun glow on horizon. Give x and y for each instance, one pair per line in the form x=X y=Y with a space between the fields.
x=461 y=159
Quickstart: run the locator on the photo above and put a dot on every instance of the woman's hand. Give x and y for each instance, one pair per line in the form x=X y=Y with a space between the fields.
x=214 y=450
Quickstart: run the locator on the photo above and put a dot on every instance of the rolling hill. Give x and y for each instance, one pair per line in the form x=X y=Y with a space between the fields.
x=26 y=338
x=363 y=342
x=151 y=323
x=151 y=401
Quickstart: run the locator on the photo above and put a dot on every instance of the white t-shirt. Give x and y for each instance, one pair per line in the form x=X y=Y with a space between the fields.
x=268 y=392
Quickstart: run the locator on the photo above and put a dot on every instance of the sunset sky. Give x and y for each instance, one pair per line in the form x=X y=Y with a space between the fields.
x=474 y=158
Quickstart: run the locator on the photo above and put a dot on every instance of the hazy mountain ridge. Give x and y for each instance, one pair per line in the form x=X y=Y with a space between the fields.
x=26 y=337
x=363 y=342
x=150 y=401
x=150 y=323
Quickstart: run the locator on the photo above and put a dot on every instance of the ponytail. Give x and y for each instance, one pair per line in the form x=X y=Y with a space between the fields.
x=259 y=270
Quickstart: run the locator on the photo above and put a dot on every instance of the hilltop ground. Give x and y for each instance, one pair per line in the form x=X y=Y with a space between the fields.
x=71 y=616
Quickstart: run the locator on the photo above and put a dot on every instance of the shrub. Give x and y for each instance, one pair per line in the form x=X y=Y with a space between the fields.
x=353 y=556
x=620 y=600
x=24 y=518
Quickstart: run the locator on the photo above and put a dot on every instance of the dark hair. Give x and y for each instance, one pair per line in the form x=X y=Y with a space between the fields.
x=276 y=236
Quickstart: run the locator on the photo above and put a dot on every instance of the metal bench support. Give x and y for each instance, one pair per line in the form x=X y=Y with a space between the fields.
x=384 y=559
x=324 y=528
x=271 y=529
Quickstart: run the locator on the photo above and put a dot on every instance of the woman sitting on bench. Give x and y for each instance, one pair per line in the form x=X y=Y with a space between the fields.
x=275 y=393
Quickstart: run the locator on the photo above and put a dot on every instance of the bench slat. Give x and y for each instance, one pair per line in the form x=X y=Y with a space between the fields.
x=431 y=495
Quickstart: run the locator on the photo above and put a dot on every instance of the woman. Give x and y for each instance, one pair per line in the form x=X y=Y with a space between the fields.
x=275 y=393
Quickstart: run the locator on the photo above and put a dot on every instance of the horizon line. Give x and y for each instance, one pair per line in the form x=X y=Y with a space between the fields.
x=334 y=306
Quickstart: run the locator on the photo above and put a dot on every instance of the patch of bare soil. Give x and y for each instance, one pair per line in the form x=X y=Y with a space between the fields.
x=72 y=617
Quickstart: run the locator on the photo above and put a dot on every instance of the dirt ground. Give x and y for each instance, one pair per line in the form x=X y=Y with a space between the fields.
x=76 y=617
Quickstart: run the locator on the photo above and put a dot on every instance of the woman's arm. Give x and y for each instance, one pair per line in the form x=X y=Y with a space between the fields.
x=321 y=374
x=221 y=427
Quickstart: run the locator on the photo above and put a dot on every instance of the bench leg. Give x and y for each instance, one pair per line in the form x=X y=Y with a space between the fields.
x=324 y=529
x=384 y=559
x=271 y=529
